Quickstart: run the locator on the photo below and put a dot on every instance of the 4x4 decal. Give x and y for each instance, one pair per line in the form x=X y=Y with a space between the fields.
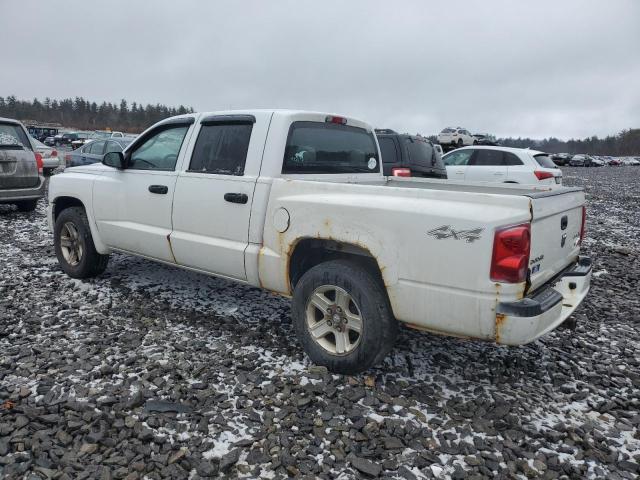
x=446 y=231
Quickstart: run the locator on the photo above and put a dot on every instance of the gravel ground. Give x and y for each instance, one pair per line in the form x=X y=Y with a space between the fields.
x=154 y=372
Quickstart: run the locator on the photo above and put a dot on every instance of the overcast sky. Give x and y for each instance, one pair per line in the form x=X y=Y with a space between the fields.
x=566 y=68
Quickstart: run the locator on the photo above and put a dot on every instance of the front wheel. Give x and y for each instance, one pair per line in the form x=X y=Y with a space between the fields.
x=74 y=245
x=342 y=317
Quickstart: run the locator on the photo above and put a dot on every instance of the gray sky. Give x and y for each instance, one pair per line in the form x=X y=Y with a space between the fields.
x=566 y=68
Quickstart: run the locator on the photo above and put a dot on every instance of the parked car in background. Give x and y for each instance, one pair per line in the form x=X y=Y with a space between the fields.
x=580 y=160
x=40 y=131
x=69 y=137
x=597 y=162
x=409 y=155
x=97 y=135
x=21 y=182
x=615 y=162
x=93 y=151
x=50 y=159
x=296 y=203
x=631 y=161
x=485 y=139
x=501 y=164
x=455 y=137
x=50 y=141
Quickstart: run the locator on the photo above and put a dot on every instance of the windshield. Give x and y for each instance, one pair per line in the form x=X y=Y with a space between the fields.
x=545 y=161
x=314 y=147
x=448 y=130
x=12 y=136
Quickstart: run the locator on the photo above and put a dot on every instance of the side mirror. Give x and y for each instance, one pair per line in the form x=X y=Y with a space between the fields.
x=114 y=159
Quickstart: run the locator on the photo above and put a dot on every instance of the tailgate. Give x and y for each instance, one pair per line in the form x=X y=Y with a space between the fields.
x=555 y=234
x=18 y=168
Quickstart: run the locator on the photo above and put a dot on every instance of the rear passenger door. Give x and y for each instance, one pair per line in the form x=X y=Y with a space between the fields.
x=487 y=165
x=214 y=192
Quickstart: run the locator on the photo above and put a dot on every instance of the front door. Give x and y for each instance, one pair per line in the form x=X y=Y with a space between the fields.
x=132 y=207
x=456 y=163
x=212 y=203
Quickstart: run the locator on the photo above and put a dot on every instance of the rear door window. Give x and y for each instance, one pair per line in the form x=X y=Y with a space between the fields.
x=487 y=158
x=511 y=159
x=96 y=148
x=113 y=147
x=329 y=148
x=221 y=149
x=544 y=161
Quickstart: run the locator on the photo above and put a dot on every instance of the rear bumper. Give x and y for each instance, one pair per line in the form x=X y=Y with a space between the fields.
x=521 y=322
x=51 y=162
x=13 y=195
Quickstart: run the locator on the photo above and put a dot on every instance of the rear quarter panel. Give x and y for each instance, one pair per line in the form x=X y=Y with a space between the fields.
x=433 y=247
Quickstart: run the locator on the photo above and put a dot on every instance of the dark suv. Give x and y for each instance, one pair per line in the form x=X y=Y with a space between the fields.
x=409 y=156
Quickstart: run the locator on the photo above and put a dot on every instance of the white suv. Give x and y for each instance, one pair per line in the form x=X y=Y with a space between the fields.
x=501 y=164
x=456 y=137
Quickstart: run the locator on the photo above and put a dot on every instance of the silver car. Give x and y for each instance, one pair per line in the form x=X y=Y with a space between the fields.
x=21 y=182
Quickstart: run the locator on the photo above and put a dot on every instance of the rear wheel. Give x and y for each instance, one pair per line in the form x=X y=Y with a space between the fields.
x=74 y=245
x=27 y=205
x=460 y=143
x=342 y=317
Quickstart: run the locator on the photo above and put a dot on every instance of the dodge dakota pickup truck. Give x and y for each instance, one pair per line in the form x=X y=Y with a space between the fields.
x=296 y=203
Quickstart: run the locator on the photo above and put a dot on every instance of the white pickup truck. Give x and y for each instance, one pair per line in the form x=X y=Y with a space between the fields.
x=295 y=202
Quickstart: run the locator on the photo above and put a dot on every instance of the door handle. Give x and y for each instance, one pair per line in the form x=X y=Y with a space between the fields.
x=236 y=197
x=159 y=189
x=498 y=173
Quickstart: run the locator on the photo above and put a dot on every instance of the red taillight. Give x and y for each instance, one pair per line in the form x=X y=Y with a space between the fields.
x=334 y=119
x=39 y=161
x=510 y=259
x=54 y=153
x=401 y=172
x=540 y=175
x=584 y=223
x=67 y=158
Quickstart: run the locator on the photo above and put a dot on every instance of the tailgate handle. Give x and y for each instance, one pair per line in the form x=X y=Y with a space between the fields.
x=564 y=221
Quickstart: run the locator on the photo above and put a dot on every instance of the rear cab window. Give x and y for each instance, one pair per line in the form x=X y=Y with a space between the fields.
x=12 y=136
x=329 y=148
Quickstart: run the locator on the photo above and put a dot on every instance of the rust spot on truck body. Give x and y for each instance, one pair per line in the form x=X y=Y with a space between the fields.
x=171 y=248
x=500 y=319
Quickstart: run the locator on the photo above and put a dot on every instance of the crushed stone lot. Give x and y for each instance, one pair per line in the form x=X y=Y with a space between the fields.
x=153 y=372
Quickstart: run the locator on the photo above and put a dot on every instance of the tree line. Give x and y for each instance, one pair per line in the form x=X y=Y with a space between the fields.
x=627 y=142
x=82 y=114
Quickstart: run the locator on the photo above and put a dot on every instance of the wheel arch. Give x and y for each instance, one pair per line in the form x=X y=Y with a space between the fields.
x=62 y=202
x=308 y=252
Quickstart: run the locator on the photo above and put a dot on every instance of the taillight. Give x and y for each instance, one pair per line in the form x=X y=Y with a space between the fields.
x=584 y=223
x=54 y=153
x=540 y=175
x=401 y=172
x=39 y=161
x=334 y=119
x=67 y=158
x=510 y=259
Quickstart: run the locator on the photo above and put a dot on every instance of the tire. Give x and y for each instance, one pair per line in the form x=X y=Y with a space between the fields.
x=27 y=205
x=47 y=172
x=77 y=264
x=460 y=143
x=368 y=301
x=475 y=142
